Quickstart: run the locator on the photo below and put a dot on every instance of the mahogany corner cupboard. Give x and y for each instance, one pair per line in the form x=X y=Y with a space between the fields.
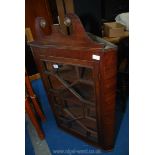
x=79 y=75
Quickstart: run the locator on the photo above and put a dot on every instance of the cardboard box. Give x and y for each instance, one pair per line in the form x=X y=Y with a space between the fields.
x=113 y=29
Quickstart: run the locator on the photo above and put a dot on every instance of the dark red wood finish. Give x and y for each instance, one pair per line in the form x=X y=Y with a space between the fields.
x=74 y=52
x=35 y=8
x=33 y=97
x=33 y=108
x=33 y=118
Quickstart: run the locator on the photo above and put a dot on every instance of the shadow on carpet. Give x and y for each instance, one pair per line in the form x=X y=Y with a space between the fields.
x=62 y=143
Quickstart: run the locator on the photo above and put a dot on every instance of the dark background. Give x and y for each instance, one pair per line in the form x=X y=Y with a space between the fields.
x=91 y=12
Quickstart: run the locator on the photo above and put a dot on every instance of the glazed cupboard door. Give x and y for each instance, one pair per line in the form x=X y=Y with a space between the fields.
x=72 y=88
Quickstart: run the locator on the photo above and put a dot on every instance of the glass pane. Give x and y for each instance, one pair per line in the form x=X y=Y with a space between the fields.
x=74 y=100
x=55 y=83
x=67 y=73
x=85 y=91
x=86 y=73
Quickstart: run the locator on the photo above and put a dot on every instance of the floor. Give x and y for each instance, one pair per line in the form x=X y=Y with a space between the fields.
x=58 y=142
x=40 y=147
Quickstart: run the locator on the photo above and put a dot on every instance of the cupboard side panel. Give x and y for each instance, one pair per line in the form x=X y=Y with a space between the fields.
x=108 y=97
